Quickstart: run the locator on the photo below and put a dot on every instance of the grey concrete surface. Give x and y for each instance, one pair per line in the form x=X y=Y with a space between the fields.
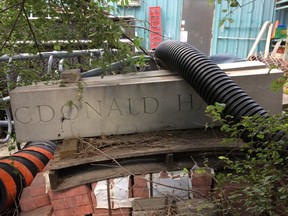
x=122 y=104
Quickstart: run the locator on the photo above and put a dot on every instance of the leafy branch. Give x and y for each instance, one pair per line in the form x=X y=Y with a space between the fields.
x=16 y=20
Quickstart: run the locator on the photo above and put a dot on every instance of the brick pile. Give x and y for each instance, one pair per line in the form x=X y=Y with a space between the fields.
x=35 y=196
x=81 y=200
x=73 y=201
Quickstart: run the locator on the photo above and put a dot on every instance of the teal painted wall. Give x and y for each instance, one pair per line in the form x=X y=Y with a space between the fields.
x=237 y=38
x=234 y=38
x=171 y=13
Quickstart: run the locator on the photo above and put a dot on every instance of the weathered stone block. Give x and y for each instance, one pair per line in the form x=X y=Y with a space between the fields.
x=162 y=212
x=195 y=207
x=121 y=104
x=150 y=204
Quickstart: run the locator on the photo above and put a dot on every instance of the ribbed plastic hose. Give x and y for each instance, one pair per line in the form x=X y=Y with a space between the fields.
x=18 y=170
x=207 y=79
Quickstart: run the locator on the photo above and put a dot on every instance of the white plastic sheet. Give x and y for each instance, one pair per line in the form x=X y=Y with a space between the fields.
x=119 y=193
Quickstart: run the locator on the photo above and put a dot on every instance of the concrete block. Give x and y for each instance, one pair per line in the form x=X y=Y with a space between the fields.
x=151 y=204
x=114 y=212
x=162 y=212
x=195 y=207
x=122 y=104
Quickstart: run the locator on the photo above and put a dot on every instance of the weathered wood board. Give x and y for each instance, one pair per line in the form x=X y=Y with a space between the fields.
x=115 y=156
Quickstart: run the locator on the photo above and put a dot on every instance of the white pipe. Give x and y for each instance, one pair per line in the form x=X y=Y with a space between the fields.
x=263 y=29
x=61 y=66
x=268 y=40
x=5 y=99
x=50 y=64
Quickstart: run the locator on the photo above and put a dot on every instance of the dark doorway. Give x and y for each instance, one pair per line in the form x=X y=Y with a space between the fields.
x=197 y=22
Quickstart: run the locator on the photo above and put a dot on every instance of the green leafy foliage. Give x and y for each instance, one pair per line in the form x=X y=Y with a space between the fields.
x=279 y=83
x=263 y=167
x=231 y=7
x=34 y=27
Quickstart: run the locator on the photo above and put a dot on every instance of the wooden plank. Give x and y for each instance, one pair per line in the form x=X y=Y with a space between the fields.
x=137 y=145
x=93 y=172
x=145 y=153
x=69 y=148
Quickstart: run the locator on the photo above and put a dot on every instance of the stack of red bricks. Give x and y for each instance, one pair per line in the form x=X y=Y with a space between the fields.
x=38 y=199
x=77 y=201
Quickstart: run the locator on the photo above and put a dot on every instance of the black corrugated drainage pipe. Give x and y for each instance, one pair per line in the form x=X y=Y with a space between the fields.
x=18 y=170
x=210 y=82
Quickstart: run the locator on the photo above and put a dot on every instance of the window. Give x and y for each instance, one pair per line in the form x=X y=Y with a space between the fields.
x=281 y=4
x=132 y=3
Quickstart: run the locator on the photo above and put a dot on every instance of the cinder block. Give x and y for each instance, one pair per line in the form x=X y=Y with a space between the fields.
x=195 y=207
x=114 y=212
x=162 y=212
x=149 y=204
x=43 y=211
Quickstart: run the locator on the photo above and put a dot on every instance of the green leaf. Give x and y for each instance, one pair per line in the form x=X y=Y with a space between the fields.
x=185 y=171
x=260 y=136
x=57 y=47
